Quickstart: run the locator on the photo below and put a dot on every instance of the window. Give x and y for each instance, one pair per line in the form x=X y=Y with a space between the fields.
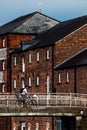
x=23 y=64
x=48 y=84
x=29 y=126
x=37 y=81
x=59 y=124
x=37 y=126
x=67 y=77
x=47 y=126
x=14 y=128
x=29 y=58
x=23 y=126
x=3 y=88
x=48 y=54
x=15 y=61
x=15 y=84
x=29 y=81
x=23 y=83
x=59 y=77
x=38 y=57
x=3 y=42
x=3 y=65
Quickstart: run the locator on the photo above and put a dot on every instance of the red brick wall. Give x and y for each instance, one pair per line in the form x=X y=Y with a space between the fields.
x=81 y=80
x=81 y=76
x=70 y=45
x=12 y=40
x=64 y=86
x=64 y=49
x=41 y=69
x=5 y=123
x=15 y=39
x=31 y=120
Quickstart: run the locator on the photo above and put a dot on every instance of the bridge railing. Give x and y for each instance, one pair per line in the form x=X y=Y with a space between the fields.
x=47 y=100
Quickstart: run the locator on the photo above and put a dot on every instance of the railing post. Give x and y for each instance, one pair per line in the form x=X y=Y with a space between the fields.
x=7 y=100
x=70 y=99
x=48 y=98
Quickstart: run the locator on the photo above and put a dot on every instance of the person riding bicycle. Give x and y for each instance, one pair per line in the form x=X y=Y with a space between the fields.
x=24 y=94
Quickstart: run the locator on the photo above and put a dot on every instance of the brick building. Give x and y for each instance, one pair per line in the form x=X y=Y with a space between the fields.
x=43 y=63
x=12 y=34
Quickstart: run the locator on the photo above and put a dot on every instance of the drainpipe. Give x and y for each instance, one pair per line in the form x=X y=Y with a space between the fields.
x=52 y=122
x=75 y=83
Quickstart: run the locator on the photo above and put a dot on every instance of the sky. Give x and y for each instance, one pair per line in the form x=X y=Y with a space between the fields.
x=61 y=10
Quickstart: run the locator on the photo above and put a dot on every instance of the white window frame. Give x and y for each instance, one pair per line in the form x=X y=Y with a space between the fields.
x=37 y=126
x=30 y=58
x=15 y=83
x=29 y=126
x=3 y=65
x=47 y=126
x=23 y=64
x=59 y=77
x=48 y=54
x=3 y=42
x=15 y=60
x=23 y=125
x=67 y=77
x=59 y=124
x=38 y=56
x=23 y=83
x=30 y=82
x=14 y=128
x=37 y=81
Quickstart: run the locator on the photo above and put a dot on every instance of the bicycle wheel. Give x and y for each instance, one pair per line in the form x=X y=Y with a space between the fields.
x=27 y=104
x=33 y=102
x=18 y=103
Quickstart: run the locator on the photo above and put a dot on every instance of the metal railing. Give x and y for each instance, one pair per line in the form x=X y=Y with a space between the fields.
x=47 y=101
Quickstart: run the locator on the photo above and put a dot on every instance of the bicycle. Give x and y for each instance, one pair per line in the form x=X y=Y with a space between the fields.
x=25 y=101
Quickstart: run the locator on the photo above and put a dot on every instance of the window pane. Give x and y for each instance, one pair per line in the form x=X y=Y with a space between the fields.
x=37 y=82
x=38 y=56
x=29 y=58
x=23 y=64
x=14 y=83
x=59 y=77
x=67 y=77
x=48 y=54
x=29 y=81
x=15 y=60
x=3 y=42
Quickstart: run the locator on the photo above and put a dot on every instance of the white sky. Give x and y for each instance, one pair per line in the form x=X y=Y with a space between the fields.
x=59 y=9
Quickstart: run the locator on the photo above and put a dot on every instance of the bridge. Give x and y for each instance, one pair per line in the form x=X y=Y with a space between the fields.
x=57 y=100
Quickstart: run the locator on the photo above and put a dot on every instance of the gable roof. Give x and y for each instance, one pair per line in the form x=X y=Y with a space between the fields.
x=56 y=33
x=79 y=59
x=29 y=24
